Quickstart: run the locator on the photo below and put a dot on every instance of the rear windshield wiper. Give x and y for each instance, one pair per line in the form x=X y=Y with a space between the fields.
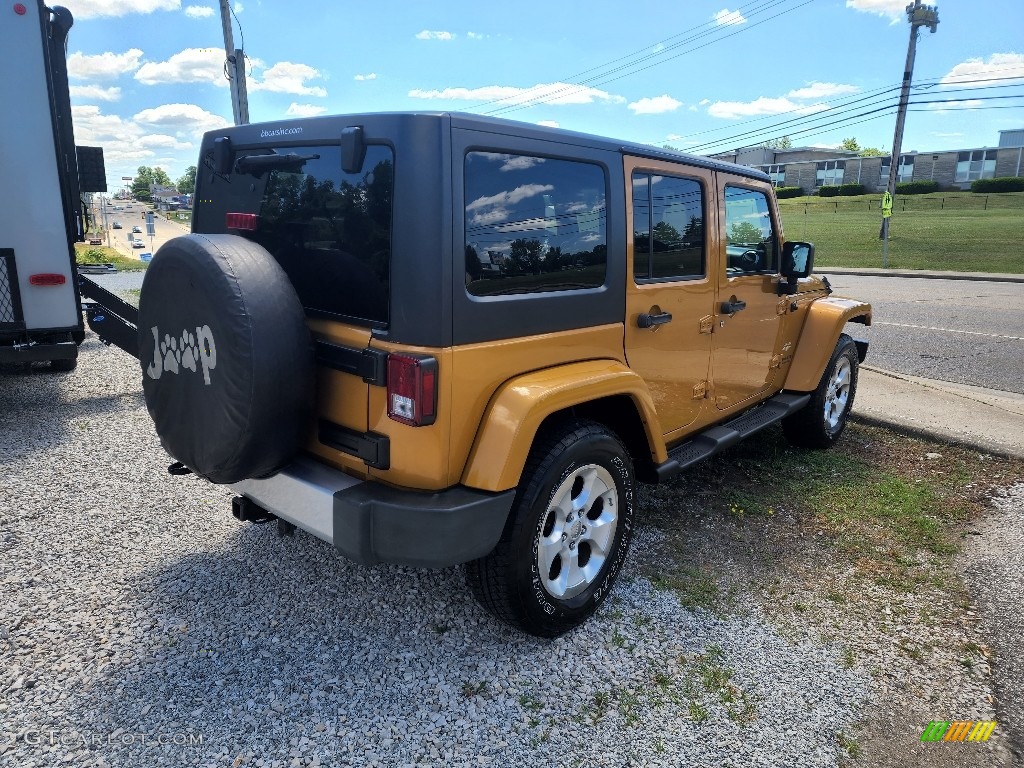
x=259 y=163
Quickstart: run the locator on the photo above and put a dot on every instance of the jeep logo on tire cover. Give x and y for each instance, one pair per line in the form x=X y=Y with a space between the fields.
x=172 y=353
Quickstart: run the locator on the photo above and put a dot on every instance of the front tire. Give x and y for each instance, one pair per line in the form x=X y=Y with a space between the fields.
x=823 y=420
x=567 y=535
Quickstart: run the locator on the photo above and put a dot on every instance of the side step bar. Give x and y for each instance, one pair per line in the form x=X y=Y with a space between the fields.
x=111 y=318
x=720 y=437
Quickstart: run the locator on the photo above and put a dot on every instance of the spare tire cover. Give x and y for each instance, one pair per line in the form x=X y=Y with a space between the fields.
x=227 y=360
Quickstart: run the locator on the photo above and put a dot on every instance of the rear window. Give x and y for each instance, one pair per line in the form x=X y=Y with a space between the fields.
x=329 y=230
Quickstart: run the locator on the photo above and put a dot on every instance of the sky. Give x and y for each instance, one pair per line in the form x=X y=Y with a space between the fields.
x=702 y=76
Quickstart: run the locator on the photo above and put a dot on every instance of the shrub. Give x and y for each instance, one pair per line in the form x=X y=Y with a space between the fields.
x=917 y=187
x=841 y=190
x=783 y=192
x=999 y=184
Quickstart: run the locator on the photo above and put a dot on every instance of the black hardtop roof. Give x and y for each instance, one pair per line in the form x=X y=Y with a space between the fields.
x=504 y=126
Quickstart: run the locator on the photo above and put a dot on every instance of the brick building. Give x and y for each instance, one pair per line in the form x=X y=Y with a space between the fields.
x=811 y=168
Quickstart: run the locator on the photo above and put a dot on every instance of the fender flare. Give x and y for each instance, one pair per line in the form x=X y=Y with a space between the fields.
x=825 y=320
x=520 y=405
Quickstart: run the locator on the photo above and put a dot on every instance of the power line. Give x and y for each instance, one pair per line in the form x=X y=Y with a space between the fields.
x=603 y=79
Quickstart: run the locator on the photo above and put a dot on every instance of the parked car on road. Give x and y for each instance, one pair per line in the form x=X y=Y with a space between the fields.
x=372 y=383
x=116 y=225
x=136 y=230
x=138 y=244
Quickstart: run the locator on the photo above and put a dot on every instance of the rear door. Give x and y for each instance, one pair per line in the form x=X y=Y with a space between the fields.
x=747 y=306
x=669 y=291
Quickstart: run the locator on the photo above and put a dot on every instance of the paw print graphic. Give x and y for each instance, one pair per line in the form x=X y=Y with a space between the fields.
x=189 y=351
x=168 y=348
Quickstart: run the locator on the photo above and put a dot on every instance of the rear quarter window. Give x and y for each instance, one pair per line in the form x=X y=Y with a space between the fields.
x=533 y=224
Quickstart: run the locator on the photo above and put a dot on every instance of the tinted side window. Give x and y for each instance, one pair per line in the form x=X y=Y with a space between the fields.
x=533 y=224
x=668 y=224
x=329 y=230
x=750 y=245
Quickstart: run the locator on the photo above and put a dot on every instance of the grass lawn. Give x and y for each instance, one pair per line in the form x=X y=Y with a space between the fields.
x=931 y=234
x=100 y=254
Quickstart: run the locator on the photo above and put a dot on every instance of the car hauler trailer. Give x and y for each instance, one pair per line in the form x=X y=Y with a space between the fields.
x=41 y=216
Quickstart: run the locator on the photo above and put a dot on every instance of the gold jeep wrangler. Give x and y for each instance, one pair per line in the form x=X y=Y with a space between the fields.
x=435 y=339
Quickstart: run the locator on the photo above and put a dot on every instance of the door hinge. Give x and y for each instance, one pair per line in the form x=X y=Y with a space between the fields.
x=707 y=323
x=782 y=307
x=700 y=390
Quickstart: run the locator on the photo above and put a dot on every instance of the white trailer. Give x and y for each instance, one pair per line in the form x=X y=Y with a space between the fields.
x=41 y=214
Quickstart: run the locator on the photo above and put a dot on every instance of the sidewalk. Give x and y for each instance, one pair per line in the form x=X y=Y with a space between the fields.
x=928 y=274
x=986 y=419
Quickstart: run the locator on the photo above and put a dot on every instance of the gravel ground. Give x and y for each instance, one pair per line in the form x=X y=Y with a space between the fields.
x=135 y=610
x=994 y=564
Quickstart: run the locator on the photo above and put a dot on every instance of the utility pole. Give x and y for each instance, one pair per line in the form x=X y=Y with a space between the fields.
x=919 y=16
x=235 y=68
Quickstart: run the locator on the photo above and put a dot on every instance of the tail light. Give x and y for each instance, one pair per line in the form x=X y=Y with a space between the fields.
x=412 y=389
x=244 y=221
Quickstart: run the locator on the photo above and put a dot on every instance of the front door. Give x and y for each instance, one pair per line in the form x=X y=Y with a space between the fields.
x=669 y=293
x=747 y=320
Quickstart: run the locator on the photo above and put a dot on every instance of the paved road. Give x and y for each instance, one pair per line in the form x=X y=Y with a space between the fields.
x=954 y=330
x=165 y=230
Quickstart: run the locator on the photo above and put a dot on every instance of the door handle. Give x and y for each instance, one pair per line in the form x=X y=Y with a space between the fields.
x=732 y=306
x=645 y=320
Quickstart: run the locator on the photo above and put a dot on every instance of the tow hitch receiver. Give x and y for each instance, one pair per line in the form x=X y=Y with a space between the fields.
x=248 y=511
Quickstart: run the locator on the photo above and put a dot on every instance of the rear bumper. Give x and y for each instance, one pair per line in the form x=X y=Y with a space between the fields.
x=371 y=523
x=34 y=353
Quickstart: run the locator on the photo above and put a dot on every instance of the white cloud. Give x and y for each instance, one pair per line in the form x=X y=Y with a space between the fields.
x=239 y=7
x=95 y=93
x=999 y=65
x=288 y=77
x=428 y=34
x=548 y=93
x=964 y=104
x=658 y=48
x=549 y=124
x=370 y=76
x=90 y=9
x=192 y=65
x=103 y=66
x=163 y=141
x=761 y=106
x=304 y=110
x=892 y=9
x=476 y=36
x=198 y=11
x=949 y=135
x=655 y=106
x=704 y=102
x=725 y=17
x=818 y=90
x=188 y=119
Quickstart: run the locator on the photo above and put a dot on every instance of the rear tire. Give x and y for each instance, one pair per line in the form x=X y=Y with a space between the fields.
x=823 y=420
x=567 y=535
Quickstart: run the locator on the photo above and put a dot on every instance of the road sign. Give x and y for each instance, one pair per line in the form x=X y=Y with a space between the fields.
x=150 y=225
x=126 y=178
x=886 y=205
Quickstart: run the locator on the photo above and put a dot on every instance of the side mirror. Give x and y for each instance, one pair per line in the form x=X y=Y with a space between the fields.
x=222 y=156
x=353 y=149
x=797 y=259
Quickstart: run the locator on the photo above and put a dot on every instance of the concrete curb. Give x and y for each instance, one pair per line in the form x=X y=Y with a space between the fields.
x=991 y=277
x=987 y=420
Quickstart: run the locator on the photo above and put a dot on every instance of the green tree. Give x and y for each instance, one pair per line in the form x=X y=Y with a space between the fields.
x=851 y=144
x=872 y=152
x=187 y=184
x=782 y=142
x=145 y=177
